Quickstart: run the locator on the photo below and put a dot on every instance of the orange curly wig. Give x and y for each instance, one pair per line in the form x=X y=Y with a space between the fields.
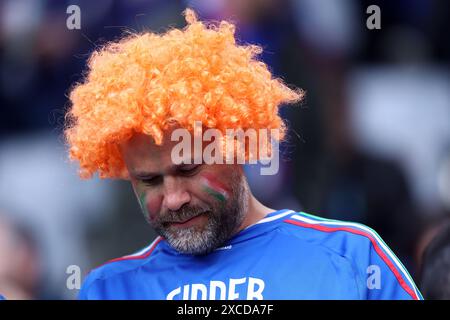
x=147 y=82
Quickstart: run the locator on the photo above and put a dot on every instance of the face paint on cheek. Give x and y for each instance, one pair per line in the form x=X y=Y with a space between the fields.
x=149 y=205
x=143 y=203
x=215 y=189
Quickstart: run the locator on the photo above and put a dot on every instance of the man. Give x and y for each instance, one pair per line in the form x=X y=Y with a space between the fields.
x=217 y=241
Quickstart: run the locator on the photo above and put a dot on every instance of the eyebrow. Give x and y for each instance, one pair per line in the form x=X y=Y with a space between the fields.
x=144 y=174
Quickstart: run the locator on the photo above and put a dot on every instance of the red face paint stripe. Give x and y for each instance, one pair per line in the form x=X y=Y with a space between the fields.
x=374 y=243
x=209 y=179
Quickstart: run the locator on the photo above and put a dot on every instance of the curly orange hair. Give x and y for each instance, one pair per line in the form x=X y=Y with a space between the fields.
x=146 y=82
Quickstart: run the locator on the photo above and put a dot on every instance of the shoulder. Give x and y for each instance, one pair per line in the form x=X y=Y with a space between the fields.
x=339 y=236
x=360 y=245
x=118 y=267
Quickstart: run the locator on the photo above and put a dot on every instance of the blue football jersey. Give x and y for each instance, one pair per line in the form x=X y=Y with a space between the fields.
x=287 y=255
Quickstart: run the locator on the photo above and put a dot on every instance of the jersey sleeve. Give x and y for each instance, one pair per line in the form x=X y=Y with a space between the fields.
x=384 y=275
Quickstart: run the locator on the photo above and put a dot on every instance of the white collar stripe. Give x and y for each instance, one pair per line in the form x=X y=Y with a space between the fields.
x=141 y=252
x=275 y=217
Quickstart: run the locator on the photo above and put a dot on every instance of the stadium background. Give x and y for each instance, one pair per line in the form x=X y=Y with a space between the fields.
x=371 y=142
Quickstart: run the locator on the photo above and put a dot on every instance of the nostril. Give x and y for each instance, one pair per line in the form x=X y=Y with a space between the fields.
x=175 y=193
x=174 y=201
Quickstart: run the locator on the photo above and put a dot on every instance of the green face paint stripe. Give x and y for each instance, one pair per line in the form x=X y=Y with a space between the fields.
x=220 y=194
x=209 y=182
x=215 y=194
x=142 y=202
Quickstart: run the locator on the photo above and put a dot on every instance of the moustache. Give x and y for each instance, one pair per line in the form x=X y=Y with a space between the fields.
x=182 y=215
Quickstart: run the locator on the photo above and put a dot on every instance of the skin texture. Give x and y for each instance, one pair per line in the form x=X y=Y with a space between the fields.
x=196 y=208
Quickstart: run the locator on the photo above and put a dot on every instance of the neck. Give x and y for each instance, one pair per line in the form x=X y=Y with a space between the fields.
x=255 y=212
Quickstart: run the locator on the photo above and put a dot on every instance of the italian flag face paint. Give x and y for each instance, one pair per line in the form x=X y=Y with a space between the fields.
x=143 y=203
x=214 y=189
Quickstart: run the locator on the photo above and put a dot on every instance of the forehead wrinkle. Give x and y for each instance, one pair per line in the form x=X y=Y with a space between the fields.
x=141 y=156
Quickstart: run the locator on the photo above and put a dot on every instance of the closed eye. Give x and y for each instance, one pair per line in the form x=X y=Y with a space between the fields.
x=189 y=169
x=152 y=181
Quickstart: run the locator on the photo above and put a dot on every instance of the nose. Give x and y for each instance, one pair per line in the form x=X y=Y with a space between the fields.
x=175 y=194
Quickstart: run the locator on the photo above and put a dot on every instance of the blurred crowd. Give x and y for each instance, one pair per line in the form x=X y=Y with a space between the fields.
x=370 y=143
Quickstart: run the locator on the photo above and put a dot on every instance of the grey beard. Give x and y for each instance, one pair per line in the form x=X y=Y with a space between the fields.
x=196 y=242
x=222 y=224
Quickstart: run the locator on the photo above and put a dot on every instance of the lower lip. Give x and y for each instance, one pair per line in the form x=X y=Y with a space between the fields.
x=188 y=223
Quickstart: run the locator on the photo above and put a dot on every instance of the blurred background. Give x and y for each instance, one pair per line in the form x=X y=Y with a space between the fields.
x=370 y=143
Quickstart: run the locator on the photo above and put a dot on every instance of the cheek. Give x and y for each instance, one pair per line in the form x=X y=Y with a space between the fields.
x=150 y=204
x=212 y=186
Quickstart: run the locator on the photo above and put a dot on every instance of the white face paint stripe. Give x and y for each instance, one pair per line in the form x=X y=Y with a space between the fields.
x=216 y=189
x=380 y=242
